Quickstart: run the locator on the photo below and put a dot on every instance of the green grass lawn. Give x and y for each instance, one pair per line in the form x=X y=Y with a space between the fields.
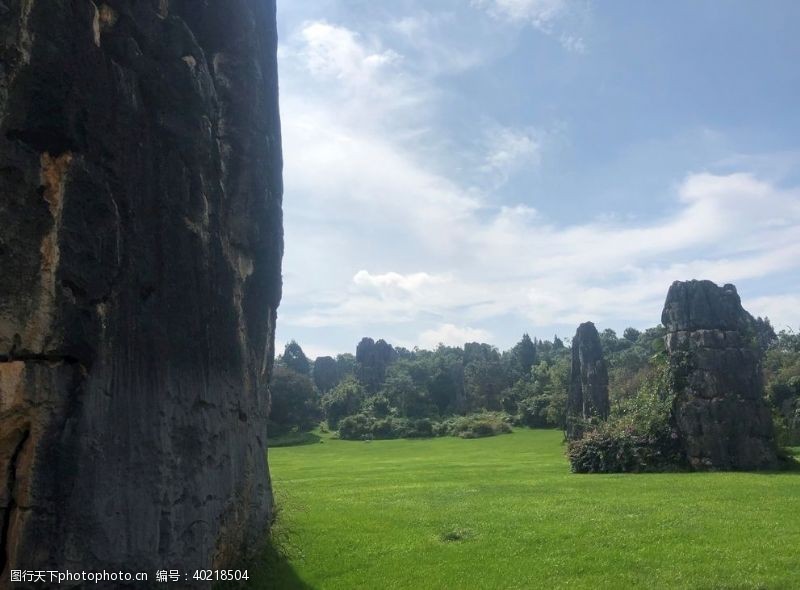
x=506 y=512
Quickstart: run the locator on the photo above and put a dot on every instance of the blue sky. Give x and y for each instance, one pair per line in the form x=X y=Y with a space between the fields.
x=462 y=170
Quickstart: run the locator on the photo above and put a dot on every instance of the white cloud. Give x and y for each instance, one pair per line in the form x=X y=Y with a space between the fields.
x=572 y=43
x=548 y=16
x=395 y=281
x=378 y=232
x=452 y=335
x=538 y=12
x=782 y=310
x=424 y=32
x=509 y=150
x=331 y=51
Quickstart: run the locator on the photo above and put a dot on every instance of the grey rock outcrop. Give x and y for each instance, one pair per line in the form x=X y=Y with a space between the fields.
x=719 y=410
x=588 y=389
x=140 y=252
x=372 y=360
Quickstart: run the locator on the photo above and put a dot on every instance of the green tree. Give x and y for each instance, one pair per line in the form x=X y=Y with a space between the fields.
x=484 y=384
x=293 y=399
x=345 y=365
x=631 y=334
x=295 y=359
x=523 y=357
x=343 y=400
x=405 y=394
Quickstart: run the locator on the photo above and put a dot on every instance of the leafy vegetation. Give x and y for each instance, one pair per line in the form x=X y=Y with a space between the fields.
x=505 y=512
x=638 y=435
x=385 y=392
x=782 y=375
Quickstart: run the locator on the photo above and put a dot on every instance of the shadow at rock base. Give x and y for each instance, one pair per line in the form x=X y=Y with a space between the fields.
x=294 y=439
x=272 y=571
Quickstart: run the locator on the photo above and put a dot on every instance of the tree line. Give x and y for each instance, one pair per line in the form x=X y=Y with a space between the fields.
x=383 y=391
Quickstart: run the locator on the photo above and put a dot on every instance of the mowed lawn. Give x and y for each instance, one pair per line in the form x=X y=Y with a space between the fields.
x=506 y=512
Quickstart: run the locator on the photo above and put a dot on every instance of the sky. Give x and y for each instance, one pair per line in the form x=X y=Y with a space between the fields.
x=472 y=170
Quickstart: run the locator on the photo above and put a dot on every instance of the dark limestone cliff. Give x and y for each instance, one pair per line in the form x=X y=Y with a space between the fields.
x=140 y=250
x=722 y=419
x=588 y=388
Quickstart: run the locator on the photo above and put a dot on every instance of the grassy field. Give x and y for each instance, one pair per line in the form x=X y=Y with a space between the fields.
x=506 y=512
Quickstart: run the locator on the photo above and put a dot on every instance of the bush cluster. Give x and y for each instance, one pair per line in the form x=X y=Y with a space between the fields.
x=366 y=427
x=638 y=436
x=610 y=450
x=476 y=425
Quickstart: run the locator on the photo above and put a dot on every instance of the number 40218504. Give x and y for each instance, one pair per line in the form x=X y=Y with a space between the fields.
x=215 y=575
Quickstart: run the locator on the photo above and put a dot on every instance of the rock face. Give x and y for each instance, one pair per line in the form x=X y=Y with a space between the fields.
x=372 y=360
x=325 y=373
x=719 y=409
x=588 y=390
x=140 y=251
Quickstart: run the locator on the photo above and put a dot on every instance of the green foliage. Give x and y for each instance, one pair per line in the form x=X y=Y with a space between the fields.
x=484 y=383
x=782 y=382
x=405 y=393
x=295 y=359
x=355 y=427
x=638 y=435
x=476 y=425
x=619 y=451
x=631 y=335
x=546 y=403
x=343 y=400
x=363 y=426
x=345 y=365
x=293 y=400
x=521 y=359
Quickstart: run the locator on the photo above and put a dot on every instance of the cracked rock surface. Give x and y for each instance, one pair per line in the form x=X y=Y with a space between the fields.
x=722 y=418
x=140 y=249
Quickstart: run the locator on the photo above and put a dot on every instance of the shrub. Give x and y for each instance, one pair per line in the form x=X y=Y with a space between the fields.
x=357 y=427
x=609 y=450
x=364 y=427
x=343 y=400
x=638 y=436
x=476 y=425
x=532 y=411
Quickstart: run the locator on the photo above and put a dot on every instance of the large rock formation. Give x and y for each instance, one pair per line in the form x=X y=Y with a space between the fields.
x=325 y=373
x=719 y=410
x=140 y=207
x=372 y=360
x=588 y=388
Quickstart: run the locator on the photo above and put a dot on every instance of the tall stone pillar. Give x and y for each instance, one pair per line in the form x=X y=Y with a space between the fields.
x=722 y=418
x=140 y=250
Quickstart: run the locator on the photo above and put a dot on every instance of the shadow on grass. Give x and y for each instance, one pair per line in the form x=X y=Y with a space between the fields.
x=272 y=571
x=294 y=439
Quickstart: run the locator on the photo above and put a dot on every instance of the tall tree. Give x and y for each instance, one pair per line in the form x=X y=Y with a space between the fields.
x=293 y=400
x=524 y=355
x=631 y=334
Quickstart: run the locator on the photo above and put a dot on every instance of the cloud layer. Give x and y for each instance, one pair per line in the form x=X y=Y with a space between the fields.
x=387 y=226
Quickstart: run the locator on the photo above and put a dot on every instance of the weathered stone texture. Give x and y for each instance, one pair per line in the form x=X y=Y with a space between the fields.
x=719 y=410
x=588 y=390
x=140 y=250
